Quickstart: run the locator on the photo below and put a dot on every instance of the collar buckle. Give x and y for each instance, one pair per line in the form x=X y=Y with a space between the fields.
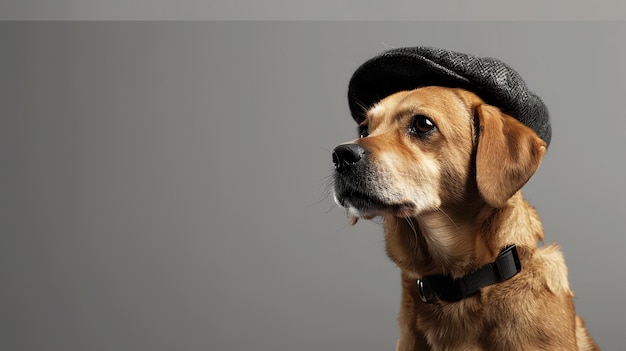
x=429 y=298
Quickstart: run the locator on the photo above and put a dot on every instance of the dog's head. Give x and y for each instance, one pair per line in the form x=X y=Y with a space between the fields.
x=433 y=147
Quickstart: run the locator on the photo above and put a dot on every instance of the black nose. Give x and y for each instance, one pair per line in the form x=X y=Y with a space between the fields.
x=346 y=155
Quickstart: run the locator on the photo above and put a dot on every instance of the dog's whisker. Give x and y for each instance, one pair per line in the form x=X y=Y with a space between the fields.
x=450 y=218
x=332 y=207
x=413 y=229
x=362 y=106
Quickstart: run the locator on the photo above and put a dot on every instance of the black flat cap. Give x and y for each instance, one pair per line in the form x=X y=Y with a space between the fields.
x=409 y=68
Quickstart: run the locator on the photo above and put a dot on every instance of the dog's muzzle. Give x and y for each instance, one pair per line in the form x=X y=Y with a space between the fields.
x=360 y=187
x=353 y=179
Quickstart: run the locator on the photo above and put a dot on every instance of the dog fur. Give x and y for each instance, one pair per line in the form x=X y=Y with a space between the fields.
x=450 y=200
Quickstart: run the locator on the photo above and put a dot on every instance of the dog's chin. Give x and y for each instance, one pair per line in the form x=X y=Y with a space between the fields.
x=368 y=213
x=367 y=207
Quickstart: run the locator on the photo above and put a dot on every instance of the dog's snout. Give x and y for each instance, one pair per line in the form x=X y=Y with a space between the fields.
x=346 y=155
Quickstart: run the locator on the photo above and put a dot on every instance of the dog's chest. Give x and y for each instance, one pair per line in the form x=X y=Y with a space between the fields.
x=442 y=326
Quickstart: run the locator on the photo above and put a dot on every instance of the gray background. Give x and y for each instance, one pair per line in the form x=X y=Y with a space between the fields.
x=313 y=10
x=163 y=185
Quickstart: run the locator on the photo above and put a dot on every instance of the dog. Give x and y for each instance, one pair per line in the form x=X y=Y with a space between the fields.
x=444 y=170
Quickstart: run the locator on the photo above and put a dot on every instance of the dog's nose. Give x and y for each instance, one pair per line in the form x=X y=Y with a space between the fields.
x=346 y=155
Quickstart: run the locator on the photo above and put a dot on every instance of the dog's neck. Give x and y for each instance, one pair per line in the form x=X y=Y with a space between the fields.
x=456 y=243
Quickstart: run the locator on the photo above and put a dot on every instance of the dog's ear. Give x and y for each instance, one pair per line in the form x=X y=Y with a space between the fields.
x=507 y=155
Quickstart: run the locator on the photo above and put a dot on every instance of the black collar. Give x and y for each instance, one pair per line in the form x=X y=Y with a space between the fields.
x=442 y=287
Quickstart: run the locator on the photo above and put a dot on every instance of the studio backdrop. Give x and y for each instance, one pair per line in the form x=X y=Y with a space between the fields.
x=164 y=186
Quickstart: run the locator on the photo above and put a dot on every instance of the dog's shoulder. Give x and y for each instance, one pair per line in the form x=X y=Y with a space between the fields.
x=541 y=289
x=547 y=265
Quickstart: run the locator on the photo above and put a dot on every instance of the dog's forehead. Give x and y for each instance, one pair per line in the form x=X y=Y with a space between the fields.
x=426 y=100
x=387 y=105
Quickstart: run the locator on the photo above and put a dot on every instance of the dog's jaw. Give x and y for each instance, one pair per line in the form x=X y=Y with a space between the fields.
x=364 y=206
x=360 y=207
x=352 y=211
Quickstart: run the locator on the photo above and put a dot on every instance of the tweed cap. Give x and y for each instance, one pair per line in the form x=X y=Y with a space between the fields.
x=409 y=68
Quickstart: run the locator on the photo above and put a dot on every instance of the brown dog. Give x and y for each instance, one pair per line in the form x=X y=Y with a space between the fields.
x=444 y=170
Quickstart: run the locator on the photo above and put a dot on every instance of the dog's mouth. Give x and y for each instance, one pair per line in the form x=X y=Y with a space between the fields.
x=367 y=205
x=361 y=201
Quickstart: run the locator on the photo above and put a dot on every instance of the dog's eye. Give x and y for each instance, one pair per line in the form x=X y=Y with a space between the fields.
x=363 y=131
x=422 y=125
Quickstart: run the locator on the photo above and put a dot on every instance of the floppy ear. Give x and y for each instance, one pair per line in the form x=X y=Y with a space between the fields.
x=507 y=155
